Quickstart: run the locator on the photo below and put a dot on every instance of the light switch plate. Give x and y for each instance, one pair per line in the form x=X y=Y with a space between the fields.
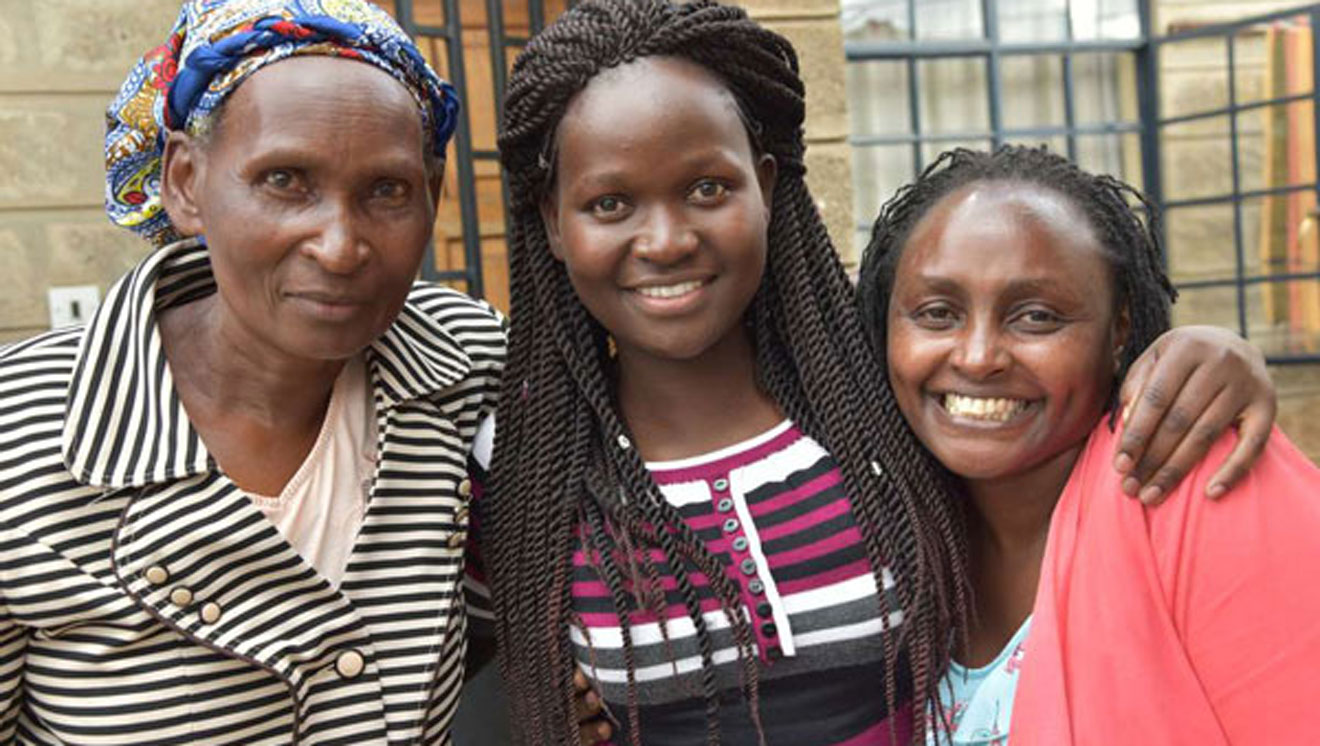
x=72 y=304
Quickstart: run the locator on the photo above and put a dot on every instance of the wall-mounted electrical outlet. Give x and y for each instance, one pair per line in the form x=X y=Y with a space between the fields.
x=72 y=304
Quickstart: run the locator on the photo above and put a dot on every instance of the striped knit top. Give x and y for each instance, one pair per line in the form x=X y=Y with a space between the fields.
x=773 y=510
x=144 y=599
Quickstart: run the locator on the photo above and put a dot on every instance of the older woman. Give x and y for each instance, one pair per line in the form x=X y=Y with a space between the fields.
x=232 y=507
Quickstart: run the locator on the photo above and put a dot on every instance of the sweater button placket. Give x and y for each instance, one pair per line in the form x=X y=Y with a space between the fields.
x=767 y=632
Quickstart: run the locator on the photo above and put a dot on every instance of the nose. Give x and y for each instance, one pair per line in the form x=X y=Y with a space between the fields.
x=337 y=244
x=981 y=352
x=665 y=237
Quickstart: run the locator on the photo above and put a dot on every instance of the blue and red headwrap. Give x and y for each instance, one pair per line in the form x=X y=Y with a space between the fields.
x=214 y=46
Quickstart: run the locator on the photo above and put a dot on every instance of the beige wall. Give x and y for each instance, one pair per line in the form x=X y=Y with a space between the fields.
x=813 y=27
x=60 y=64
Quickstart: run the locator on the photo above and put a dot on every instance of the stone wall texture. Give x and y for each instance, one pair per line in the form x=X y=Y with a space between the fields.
x=813 y=28
x=61 y=62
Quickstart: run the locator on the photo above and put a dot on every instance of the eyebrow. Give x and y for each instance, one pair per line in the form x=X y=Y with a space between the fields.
x=1017 y=287
x=611 y=173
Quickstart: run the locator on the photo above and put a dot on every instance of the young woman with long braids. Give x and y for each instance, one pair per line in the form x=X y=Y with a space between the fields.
x=1010 y=292
x=700 y=483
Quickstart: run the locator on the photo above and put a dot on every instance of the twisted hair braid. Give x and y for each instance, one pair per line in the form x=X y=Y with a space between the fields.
x=565 y=474
x=1125 y=223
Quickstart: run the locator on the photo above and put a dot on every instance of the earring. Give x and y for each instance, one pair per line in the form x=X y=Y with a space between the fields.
x=610 y=348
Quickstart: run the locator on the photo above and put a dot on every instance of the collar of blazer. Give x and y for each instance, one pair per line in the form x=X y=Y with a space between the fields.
x=124 y=425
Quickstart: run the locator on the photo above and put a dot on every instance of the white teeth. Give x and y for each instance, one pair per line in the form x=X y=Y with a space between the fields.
x=976 y=408
x=669 y=291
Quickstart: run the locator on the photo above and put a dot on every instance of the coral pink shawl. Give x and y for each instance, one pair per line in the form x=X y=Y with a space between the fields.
x=1197 y=622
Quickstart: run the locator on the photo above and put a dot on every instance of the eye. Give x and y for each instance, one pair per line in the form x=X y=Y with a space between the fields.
x=389 y=189
x=708 y=191
x=935 y=316
x=1037 y=320
x=609 y=207
x=281 y=179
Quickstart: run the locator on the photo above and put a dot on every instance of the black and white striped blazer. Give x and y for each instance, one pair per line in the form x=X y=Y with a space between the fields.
x=145 y=600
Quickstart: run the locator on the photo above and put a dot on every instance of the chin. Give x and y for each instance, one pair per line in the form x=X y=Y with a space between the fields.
x=679 y=349
x=327 y=345
x=977 y=463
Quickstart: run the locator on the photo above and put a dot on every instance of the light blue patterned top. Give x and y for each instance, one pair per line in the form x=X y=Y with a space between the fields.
x=978 y=702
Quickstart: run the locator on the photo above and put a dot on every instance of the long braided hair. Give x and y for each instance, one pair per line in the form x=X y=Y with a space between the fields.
x=565 y=476
x=1126 y=225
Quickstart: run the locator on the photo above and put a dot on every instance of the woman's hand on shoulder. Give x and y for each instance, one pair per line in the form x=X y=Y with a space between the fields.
x=1178 y=398
x=592 y=728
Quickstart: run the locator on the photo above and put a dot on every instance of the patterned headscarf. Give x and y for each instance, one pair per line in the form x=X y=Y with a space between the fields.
x=214 y=46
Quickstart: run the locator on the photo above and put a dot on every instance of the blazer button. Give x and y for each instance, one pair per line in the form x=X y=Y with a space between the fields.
x=157 y=575
x=349 y=664
x=181 y=596
x=461 y=516
x=456 y=540
x=210 y=612
x=465 y=488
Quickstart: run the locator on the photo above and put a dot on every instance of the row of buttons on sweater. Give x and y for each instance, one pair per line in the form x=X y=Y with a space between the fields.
x=747 y=565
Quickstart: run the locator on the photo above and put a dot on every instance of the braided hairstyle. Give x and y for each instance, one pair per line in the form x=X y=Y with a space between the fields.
x=565 y=476
x=1125 y=223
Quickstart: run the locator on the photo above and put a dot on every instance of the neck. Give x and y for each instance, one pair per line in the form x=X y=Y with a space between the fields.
x=682 y=408
x=223 y=372
x=1008 y=526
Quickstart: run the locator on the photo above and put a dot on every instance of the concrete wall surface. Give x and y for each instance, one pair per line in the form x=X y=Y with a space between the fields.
x=61 y=62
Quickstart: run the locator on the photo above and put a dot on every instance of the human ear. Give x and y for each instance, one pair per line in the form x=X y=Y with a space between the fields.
x=550 y=220
x=180 y=182
x=767 y=171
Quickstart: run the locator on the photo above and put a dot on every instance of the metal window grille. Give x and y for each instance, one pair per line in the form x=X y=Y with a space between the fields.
x=1145 y=136
x=443 y=42
x=1275 y=300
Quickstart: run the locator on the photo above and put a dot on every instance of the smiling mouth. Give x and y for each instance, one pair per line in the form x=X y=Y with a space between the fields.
x=991 y=409
x=677 y=290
